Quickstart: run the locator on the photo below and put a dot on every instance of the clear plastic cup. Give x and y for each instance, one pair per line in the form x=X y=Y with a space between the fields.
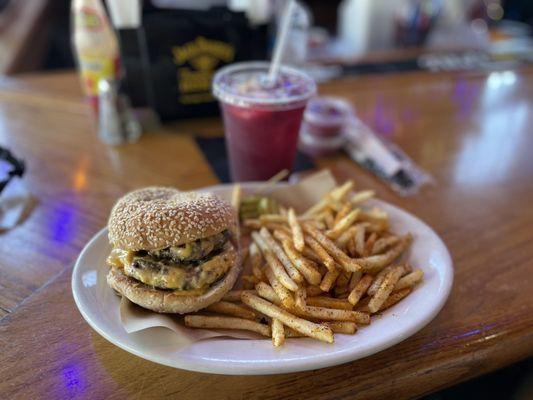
x=261 y=121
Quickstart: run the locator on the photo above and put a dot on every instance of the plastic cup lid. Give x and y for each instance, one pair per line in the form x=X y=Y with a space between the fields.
x=244 y=84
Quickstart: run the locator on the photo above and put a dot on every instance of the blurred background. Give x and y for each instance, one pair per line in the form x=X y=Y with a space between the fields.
x=453 y=34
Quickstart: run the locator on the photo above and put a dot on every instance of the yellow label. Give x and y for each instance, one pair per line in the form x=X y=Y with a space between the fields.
x=93 y=69
x=198 y=60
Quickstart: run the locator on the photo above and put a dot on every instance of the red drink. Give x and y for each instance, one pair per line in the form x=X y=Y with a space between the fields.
x=261 y=121
x=326 y=116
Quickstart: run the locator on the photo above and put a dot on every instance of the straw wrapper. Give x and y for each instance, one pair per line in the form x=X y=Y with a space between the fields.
x=134 y=318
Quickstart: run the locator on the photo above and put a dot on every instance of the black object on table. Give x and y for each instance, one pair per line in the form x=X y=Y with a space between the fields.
x=214 y=150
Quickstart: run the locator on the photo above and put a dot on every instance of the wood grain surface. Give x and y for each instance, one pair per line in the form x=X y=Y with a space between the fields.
x=471 y=131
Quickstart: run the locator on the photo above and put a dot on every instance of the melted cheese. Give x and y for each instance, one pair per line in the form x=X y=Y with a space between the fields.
x=182 y=252
x=119 y=258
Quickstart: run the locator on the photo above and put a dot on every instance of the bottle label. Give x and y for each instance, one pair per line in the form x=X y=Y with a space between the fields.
x=93 y=69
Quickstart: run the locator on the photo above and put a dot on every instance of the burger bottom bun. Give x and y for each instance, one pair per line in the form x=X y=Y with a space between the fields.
x=164 y=301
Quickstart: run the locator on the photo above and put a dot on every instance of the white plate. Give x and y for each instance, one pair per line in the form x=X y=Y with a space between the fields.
x=100 y=308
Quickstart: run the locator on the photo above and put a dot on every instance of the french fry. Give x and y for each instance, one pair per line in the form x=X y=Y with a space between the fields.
x=374 y=264
x=300 y=297
x=385 y=289
x=274 y=264
x=395 y=298
x=281 y=235
x=278 y=332
x=317 y=224
x=348 y=328
x=328 y=219
x=378 y=279
x=378 y=219
x=359 y=290
x=282 y=292
x=343 y=212
x=329 y=280
x=324 y=256
x=409 y=280
x=345 y=237
x=311 y=274
x=361 y=196
x=369 y=245
x=226 y=307
x=313 y=290
x=272 y=226
x=235 y=295
x=333 y=314
x=359 y=238
x=308 y=328
x=274 y=218
x=291 y=333
x=346 y=262
x=328 y=302
x=384 y=243
x=203 y=321
x=266 y=292
x=340 y=192
x=293 y=272
x=381 y=275
x=311 y=255
x=343 y=224
x=355 y=278
x=297 y=234
x=236 y=195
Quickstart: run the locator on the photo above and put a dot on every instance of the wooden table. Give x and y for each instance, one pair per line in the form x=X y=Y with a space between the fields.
x=471 y=131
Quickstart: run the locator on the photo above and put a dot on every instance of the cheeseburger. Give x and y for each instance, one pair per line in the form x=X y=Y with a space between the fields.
x=172 y=252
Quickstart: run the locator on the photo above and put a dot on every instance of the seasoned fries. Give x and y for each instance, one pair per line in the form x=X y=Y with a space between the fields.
x=280 y=254
x=275 y=266
x=303 y=326
x=322 y=272
x=278 y=332
x=235 y=295
x=385 y=289
x=297 y=234
x=310 y=273
x=342 y=258
x=226 y=307
x=203 y=321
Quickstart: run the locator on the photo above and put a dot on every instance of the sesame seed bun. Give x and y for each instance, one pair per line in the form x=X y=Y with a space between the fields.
x=165 y=301
x=158 y=217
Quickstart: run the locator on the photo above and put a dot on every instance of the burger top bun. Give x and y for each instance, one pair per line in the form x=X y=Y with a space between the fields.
x=158 y=217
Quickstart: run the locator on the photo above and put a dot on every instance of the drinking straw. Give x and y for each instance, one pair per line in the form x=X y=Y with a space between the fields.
x=279 y=49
